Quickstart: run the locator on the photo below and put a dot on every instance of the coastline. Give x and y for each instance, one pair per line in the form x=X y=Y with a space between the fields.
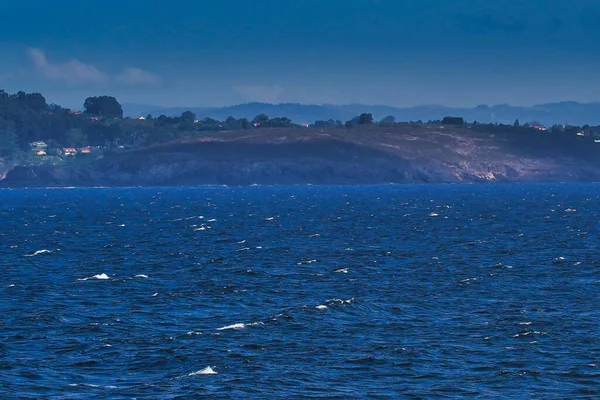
x=378 y=155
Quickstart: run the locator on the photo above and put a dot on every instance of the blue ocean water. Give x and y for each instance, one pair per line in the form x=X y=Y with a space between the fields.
x=425 y=291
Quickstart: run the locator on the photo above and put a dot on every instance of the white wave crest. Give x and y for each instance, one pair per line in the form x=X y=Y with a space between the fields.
x=142 y=276
x=39 y=252
x=99 y=277
x=234 y=326
x=205 y=371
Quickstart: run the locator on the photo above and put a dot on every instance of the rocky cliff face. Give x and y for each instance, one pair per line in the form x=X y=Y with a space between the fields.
x=327 y=157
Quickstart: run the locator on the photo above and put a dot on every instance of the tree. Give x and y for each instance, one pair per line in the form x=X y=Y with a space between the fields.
x=278 y=122
x=104 y=106
x=76 y=138
x=188 y=116
x=261 y=119
x=35 y=101
x=233 y=124
x=390 y=119
x=365 y=118
x=8 y=143
x=517 y=123
x=453 y=121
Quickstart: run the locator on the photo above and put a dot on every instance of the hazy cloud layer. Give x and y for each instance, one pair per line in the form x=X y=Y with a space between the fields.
x=137 y=76
x=262 y=93
x=75 y=72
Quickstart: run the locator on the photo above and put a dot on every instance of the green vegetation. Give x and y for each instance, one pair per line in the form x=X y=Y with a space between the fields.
x=106 y=106
x=453 y=121
x=32 y=131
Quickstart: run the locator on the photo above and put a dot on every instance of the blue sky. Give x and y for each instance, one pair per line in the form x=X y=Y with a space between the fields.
x=394 y=52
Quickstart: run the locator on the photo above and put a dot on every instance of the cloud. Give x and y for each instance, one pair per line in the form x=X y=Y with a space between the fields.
x=73 y=72
x=137 y=76
x=260 y=93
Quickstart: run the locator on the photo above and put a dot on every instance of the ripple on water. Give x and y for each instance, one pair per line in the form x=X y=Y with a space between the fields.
x=339 y=292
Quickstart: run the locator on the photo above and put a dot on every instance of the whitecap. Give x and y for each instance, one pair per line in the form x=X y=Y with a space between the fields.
x=91 y=385
x=340 y=301
x=191 y=333
x=342 y=270
x=269 y=219
x=306 y=262
x=234 y=326
x=205 y=371
x=211 y=220
x=434 y=214
x=155 y=294
x=99 y=277
x=321 y=307
x=11 y=285
x=39 y=252
x=142 y=276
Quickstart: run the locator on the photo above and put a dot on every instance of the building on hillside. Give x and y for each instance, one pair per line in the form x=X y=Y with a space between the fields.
x=69 y=151
x=537 y=126
x=39 y=145
x=140 y=118
x=40 y=153
x=85 y=150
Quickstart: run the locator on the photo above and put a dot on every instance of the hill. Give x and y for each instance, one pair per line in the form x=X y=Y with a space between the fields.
x=362 y=155
x=572 y=113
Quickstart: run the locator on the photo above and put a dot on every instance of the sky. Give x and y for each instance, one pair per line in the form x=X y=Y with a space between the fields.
x=215 y=53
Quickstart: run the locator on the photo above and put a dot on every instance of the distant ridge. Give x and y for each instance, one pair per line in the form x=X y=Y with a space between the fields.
x=567 y=112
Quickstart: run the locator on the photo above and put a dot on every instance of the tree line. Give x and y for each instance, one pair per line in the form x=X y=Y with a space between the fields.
x=27 y=117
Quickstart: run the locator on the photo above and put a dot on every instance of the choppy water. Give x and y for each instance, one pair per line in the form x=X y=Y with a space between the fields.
x=324 y=292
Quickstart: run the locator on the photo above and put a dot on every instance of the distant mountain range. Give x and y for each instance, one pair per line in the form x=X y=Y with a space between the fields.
x=567 y=112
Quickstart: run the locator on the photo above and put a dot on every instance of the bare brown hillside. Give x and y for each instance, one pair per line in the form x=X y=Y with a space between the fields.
x=366 y=154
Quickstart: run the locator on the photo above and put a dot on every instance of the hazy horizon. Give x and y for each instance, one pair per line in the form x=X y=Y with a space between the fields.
x=456 y=53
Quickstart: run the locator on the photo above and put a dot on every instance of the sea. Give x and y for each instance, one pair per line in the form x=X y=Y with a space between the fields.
x=326 y=292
